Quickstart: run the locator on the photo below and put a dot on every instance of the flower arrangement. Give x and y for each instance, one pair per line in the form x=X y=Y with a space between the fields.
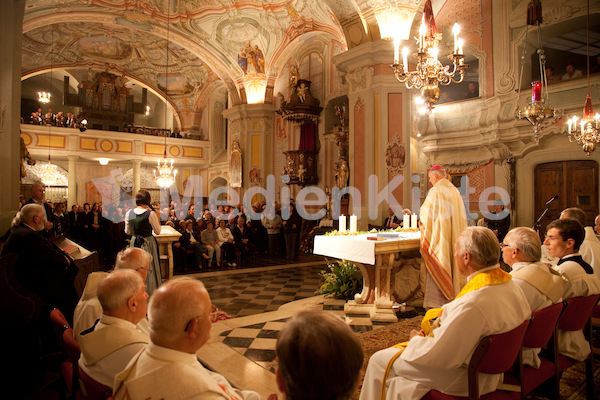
x=343 y=279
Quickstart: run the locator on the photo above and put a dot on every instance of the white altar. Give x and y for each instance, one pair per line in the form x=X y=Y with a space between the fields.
x=390 y=267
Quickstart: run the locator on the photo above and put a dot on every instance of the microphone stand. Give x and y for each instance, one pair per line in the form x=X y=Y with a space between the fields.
x=537 y=224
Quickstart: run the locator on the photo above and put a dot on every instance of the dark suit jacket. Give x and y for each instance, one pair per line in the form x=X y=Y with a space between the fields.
x=396 y=221
x=185 y=240
x=42 y=268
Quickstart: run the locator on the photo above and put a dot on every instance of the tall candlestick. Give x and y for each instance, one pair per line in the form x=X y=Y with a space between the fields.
x=405 y=58
x=396 y=51
x=460 y=46
x=406 y=221
x=413 y=221
x=422 y=30
x=353 y=223
x=536 y=91
x=342 y=223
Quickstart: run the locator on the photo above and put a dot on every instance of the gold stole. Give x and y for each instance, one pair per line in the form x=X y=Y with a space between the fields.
x=495 y=276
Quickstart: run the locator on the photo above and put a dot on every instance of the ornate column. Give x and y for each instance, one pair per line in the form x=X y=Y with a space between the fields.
x=72 y=185
x=251 y=125
x=11 y=32
x=136 y=176
x=379 y=128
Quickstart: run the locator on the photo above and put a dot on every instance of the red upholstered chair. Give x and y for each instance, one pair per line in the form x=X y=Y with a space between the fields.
x=92 y=389
x=494 y=354
x=73 y=352
x=577 y=316
x=596 y=323
x=541 y=332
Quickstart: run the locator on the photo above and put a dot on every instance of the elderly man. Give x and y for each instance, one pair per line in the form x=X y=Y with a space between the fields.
x=490 y=303
x=590 y=248
x=89 y=309
x=319 y=357
x=107 y=347
x=563 y=239
x=41 y=266
x=442 y=219
x=180 y=321
x=542 y=285
x=37 y=197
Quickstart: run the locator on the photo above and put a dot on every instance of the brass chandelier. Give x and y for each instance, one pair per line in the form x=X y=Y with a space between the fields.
x=538 y=111
x=430 y=72
x=585 y=132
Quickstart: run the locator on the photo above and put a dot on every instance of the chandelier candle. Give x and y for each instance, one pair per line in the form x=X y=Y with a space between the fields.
x=536 y=91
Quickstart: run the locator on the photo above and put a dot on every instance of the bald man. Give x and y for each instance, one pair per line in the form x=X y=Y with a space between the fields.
x=180 y=318
x=108 y=346
x=89 y=309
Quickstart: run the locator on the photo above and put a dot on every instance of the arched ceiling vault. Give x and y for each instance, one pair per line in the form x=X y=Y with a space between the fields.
x=205 y=36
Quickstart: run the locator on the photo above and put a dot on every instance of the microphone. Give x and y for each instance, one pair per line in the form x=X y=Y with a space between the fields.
x=551 y=200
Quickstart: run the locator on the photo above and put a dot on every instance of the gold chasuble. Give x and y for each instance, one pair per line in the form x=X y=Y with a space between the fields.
x=442 y=220
x=430 y=321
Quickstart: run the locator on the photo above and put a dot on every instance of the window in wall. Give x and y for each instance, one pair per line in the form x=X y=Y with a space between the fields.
x=311 y=68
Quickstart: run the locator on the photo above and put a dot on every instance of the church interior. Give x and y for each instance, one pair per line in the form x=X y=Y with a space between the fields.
x=300 y=99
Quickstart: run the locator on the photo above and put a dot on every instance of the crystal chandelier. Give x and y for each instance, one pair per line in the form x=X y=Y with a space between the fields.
x=430 y=72
x=44 y=97
x=585 y=132
x=165 y=177
x=538 y=111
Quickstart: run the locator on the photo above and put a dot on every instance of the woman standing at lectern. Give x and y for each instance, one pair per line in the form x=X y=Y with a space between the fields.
x=139 y=223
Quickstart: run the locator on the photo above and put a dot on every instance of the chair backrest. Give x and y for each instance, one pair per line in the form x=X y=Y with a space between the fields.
x=577 y=313
x=94 y=390
x=542 y=326
x=60 y=324
x=496 y=354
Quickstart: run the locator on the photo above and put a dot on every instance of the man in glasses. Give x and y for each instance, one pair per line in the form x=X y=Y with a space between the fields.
x=542 y=285
x=180 y=315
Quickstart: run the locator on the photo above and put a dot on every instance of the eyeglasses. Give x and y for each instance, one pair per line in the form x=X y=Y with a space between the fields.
x=503 y=245
x=213 y=316
x=148 y=270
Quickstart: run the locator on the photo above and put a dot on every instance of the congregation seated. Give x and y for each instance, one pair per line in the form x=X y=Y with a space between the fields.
x=210 y=239
x=319 y=357
x=108 y=346
x=490 y=303
x=563 y=239
x=227 y=243
x=541 y=284
x=180 y=322
x=190 y=241
x=89 y=309
x=243 y=239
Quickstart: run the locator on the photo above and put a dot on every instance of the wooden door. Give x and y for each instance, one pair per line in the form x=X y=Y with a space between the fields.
x=574 y=182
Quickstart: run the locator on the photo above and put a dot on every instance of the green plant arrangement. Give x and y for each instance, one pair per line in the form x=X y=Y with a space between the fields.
x=343 y=279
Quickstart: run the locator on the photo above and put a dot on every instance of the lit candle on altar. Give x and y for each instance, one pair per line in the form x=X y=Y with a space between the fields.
x=353 y=223
x=536 y=91
x=342 y=223
x=406 y=221
x=396 y=51
x=413 y=221
x=405 y=58
x=456 y=30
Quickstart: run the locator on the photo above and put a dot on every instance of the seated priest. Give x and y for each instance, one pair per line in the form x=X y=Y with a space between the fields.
x=563 y=239
x=109 y=345
x=590 y=247
x=542 y=285
x=89 y=309
x=437 y=358
x=180 y=321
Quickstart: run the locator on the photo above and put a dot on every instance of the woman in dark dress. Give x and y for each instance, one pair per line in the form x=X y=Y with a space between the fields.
x=139 y=223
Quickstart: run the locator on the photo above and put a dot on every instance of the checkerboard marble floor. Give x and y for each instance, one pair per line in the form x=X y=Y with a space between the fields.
x=261 y=300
